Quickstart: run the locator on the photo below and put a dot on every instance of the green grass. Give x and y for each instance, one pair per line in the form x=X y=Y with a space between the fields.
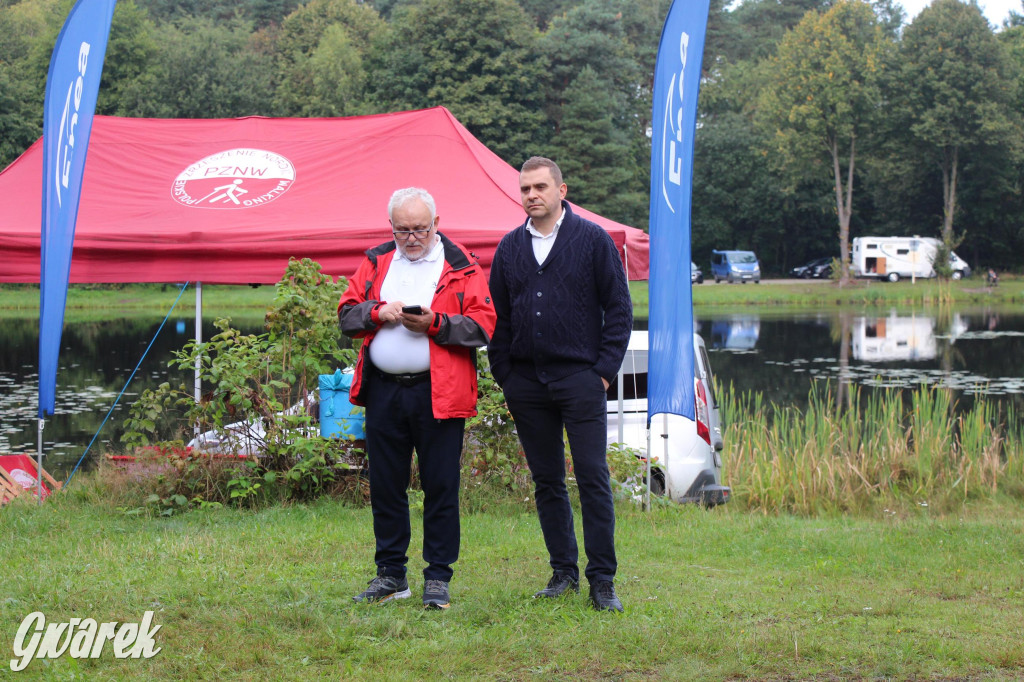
x=218 y=299
x=924 y=580
x=725 y=594
x=19 y=300
x=860 y=293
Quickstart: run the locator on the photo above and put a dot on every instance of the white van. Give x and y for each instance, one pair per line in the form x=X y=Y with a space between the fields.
x=687 y=463
x=894 y=257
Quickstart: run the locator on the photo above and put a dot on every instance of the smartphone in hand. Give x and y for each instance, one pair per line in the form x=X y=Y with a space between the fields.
x=412 y=310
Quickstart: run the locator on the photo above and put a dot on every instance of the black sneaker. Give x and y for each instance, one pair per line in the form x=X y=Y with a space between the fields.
x=602 y=596
x=435 y=594
x=384 y=588
x=557 y=586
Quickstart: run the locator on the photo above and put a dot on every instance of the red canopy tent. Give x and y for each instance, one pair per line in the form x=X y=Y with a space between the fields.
x=228 y=201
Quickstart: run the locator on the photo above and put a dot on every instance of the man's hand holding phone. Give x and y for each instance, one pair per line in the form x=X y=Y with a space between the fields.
x=391 y=312
x=416 y=318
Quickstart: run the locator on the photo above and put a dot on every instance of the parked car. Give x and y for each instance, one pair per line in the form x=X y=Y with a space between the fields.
x=687 y=462
x=735 y=266
x=696 y=276
x=819 y=268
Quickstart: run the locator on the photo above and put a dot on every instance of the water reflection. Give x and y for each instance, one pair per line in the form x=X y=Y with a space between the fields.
x=901 y=337
x=896 y=337
x=95 y=362
x=973 y=351
x=735 y=332
x=968 y=351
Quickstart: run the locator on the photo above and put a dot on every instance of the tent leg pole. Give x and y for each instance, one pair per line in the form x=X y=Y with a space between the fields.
x=621 y=385
x=199 y=340
x=39 y=461
x=665 y=463
x=647 y=488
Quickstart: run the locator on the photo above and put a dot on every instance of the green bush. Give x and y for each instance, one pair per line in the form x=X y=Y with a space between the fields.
x=491 y=452
x=259 y=397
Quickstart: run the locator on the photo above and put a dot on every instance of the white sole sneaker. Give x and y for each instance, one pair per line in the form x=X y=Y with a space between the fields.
x=404 y=594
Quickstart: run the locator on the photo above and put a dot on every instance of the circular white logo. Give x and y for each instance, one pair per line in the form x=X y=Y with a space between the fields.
x=236 y=178
x=23 y=478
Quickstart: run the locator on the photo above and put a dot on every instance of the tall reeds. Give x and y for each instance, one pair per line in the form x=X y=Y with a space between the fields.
x=874 y=447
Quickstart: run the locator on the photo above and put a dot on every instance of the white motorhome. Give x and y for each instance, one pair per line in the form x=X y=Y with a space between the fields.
x=894 y=257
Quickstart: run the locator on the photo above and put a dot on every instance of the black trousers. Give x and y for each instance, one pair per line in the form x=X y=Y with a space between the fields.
x=399 y=420
x=579 y=403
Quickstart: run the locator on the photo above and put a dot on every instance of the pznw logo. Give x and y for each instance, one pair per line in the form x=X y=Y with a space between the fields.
x=672 y=130
x=236 y=178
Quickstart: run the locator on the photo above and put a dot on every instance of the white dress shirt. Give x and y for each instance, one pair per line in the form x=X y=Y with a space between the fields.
x=395 y=349
x=542 y=243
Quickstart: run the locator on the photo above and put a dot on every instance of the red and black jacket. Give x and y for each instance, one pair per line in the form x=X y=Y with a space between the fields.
x=464 y=320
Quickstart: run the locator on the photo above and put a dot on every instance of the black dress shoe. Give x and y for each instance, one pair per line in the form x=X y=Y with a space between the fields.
x=558 y=584
x=602 y=596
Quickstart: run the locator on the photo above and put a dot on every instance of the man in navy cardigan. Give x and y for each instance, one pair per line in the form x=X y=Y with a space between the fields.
x=564 y=318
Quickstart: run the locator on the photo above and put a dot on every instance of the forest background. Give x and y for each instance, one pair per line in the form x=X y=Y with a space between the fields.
x=811 y=113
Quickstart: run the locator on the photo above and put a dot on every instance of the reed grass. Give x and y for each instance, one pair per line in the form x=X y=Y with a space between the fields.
x=857 y=450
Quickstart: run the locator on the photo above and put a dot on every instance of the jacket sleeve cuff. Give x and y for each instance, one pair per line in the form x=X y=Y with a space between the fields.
x=375 y=313
x=435 y=326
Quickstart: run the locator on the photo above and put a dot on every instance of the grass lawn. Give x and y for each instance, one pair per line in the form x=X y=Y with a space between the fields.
x=100 y=302
x=104 y=301
x=726 y=594
x=800 y=294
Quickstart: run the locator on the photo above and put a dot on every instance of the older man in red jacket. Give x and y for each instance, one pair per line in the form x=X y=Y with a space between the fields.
x=421 y=305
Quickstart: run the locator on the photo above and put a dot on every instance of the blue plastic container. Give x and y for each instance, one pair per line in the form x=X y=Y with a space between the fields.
x=338 y=417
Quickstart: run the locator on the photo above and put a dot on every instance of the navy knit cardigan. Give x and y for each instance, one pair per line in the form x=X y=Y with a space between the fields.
x=573 y=312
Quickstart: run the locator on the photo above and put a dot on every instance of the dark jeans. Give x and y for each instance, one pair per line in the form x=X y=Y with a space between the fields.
x=579 y=403
x=398 y=420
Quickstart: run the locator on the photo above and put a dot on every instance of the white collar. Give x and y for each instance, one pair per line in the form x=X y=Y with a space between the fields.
x=536 y=233
x=429 y=257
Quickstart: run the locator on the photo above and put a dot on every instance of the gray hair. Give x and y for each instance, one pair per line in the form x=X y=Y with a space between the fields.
x=403 y=196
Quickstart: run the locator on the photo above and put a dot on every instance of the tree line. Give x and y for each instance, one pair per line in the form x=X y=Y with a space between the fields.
x=819 y=120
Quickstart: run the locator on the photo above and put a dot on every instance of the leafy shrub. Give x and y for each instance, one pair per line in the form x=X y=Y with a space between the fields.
x=943 y=251
x=491 y=450
x=259 y=401
x=628 y=471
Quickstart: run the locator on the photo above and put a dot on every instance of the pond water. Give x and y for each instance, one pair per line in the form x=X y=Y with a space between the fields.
x=974 y=351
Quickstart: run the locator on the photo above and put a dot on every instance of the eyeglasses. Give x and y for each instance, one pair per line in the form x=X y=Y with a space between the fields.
x=406 y=234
